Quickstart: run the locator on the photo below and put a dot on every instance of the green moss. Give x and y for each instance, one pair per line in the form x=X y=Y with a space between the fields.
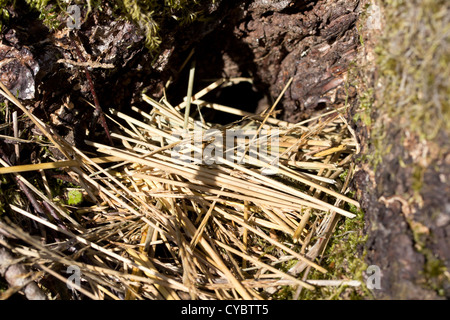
x=366 y=100
x=3 y=285
x=413 y=75
x=417 y=176
x=49 y=16
x=150 y=15
x=365 y=114
x=74 y=197
x=435 y=272
x=4 y=16
x=434 y=267
x=413 y=60
x=344 y=261
x=285 y=293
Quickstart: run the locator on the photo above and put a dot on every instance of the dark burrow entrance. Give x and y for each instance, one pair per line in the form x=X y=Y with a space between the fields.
x=222 y=54
x=314 y=44
x=240 y=93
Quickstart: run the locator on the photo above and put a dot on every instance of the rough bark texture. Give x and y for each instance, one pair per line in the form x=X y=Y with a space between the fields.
x=404 y=188
x=272 y=41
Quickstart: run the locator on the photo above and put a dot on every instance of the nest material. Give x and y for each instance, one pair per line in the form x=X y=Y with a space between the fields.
x=158 y=227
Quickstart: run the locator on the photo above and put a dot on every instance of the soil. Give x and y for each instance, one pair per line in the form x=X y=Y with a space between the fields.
x=313 y=42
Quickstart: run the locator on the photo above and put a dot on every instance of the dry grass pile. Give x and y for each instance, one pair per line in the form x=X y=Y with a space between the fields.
x=153 y=226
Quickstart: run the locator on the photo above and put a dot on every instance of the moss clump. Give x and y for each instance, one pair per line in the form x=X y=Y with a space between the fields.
x=150 y=15
x=412 y=58
x=436 y=273
x=74 y=197
x=343 y=258
x=4 y=15
x=414 y=65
